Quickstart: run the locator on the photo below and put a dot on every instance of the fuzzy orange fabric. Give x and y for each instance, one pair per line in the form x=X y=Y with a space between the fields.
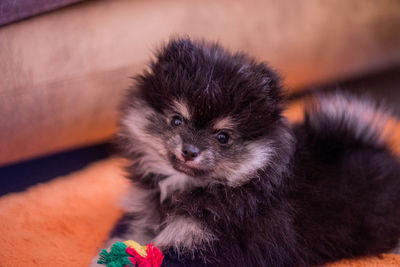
x=65 y=221
x=62 y=222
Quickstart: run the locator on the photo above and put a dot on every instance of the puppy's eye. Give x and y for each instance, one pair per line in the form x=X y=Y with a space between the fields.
x=223 y=137
x=176 y=120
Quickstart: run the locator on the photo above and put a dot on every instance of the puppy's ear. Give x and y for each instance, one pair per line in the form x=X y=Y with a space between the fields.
x=162 y=82
x=269 y=81
x=177 y=49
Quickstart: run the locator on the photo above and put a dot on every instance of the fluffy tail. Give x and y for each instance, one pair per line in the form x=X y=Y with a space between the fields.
x=343 y=120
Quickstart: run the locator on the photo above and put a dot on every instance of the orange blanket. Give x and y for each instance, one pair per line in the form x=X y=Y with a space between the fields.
x=64 y=222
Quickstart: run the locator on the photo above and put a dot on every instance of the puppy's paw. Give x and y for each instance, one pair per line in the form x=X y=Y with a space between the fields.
x=182 y=233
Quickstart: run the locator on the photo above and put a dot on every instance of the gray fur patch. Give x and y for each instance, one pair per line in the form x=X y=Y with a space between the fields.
x=364 y=117
x=183 y=233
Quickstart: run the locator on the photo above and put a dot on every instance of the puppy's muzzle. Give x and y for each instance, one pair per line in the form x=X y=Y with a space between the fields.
x=190 y=152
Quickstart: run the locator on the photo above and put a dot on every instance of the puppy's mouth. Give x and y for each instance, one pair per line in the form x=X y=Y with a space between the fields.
x=183 y=166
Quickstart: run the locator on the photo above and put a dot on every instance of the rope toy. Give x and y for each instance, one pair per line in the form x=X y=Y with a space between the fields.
x=132 y=254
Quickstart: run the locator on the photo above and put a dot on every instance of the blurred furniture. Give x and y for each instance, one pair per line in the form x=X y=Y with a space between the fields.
x=11 y=11
x=62 y=73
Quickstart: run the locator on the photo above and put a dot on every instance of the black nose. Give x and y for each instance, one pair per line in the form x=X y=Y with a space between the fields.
x=189 y=152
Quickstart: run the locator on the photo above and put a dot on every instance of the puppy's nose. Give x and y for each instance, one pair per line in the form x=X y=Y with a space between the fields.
x=190 y=152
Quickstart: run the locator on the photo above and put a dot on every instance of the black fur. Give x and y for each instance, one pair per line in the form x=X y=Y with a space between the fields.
x=202 y=75
x=325 y=194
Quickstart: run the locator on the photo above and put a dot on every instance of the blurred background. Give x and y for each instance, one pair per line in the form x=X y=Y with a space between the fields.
x=65 y=63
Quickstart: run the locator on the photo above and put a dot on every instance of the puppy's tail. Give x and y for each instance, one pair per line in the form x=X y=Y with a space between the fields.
x=342 y=120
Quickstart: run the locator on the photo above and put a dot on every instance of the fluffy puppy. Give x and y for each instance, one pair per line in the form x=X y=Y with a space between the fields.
x=220 y=179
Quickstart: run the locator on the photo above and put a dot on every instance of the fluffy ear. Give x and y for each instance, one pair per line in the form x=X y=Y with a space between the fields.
x=177 y=50
x=269 y=80
x=172 y=63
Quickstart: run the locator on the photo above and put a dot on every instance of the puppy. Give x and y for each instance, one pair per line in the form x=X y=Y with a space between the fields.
x=219 y=178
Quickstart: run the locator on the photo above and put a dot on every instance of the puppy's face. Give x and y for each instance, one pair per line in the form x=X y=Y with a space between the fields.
x=204 y=112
